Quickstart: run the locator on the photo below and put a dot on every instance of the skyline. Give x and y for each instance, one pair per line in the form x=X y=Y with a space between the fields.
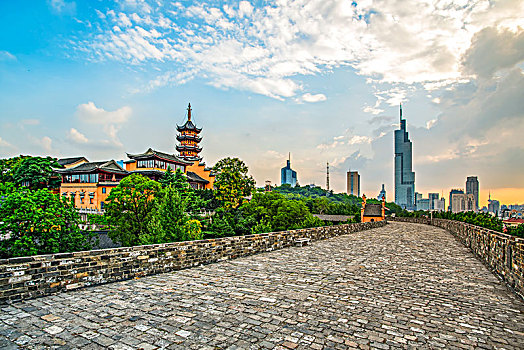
x=322 y=80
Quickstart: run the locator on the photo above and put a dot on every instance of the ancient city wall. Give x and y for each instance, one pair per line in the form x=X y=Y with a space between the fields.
x=34 y=276
x=503 y=254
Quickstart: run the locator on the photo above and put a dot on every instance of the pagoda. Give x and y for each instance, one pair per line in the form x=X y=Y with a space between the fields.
x=188 y=137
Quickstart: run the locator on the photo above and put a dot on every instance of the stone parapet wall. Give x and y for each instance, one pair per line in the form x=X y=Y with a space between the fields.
x=34 y=276
x=503 y=254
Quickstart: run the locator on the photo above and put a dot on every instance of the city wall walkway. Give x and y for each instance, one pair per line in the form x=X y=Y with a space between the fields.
x=399 y=286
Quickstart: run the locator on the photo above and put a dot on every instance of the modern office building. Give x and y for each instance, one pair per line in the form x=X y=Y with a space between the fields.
x=432 y=198
x=439 y=204
x=404 y=175
x=451 y=193
x=353 y=183
x=287 y=175
x=382 y=193
x=423 y=204
x=493 y=205
x=472 y=187
x=458 y=202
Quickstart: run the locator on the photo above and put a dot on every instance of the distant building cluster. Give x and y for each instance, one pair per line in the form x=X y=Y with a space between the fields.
x=88 y=184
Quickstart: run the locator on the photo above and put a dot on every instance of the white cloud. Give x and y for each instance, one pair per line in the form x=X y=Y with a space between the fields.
x=307 y=97
x=259 y=50
x=46 y=143
x=245 y=8
x=111 y=122
x=4 y=143
x=76 y=136
x=90 y=113
x=372 y=110
x=7 y=56
x=63 y=6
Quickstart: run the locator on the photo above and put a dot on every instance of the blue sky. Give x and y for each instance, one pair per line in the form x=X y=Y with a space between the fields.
x=319 y=79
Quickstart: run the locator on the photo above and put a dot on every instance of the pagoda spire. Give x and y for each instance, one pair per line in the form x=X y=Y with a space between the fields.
x=189 y=112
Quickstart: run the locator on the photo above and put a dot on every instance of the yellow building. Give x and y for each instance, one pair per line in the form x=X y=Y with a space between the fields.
x=89 y=183
x=371 y=212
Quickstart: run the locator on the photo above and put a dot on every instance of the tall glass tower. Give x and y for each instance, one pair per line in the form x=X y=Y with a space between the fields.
x=404 y=175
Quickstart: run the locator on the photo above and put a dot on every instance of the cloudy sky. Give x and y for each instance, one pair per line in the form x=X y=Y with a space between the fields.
x=320 y=79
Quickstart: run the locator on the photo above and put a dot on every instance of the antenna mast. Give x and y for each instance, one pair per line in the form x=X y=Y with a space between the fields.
x=327 y=176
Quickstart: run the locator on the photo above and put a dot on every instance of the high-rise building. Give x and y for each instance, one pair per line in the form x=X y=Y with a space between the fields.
x=353 y=183
x=451 y=193
x=472 y=187
x=382 y=193
x=458 y=202
x=493 y=205
x=287 y=175
x=439 y=204
x=404 y=175
x=418 y=196
x=432 y=198
x=424 y=204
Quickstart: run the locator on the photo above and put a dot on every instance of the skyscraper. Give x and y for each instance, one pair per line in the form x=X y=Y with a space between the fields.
x=353 y=183
x=432 y=198
x=472 y=187
x=404 y=175
x=288 y=175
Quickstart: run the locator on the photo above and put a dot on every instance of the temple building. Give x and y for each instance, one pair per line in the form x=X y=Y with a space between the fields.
x=89 y=183
x=371 y=212
x=198 y=174
x=154 y=164
x=188 y=148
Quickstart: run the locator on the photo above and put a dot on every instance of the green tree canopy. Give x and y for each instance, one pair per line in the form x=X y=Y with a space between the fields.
x=178 y=181
x=274 y=210
x=232 y=183
x=39 y=222
x=37 y=172
x=130 y=207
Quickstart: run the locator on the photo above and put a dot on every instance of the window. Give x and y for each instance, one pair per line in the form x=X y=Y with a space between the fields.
x=101 y=205
x=103 y=190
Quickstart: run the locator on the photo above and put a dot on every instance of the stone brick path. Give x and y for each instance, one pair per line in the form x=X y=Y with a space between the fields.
x=400 y=286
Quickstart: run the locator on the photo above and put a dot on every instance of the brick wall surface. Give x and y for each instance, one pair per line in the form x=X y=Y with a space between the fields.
x=34 y=276
x=503 y=254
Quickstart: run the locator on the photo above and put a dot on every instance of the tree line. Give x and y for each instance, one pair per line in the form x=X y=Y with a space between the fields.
x=34 y=219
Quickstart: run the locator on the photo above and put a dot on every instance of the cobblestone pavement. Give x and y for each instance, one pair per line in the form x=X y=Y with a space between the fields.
x=400 y=286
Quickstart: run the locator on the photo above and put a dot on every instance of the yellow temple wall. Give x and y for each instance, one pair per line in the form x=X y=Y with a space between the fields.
x=200 y=171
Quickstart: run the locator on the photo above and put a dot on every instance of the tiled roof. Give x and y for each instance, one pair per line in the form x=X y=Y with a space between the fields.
x=188 y=126
x=110 y=166
x=372 y=209
x=67 y=161
x=151 y=152
x=191 y=176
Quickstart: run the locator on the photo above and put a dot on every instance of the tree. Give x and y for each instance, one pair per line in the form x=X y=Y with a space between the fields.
x=169 y=218
x=130 y=207
x=8 y=167
x=232 y=183
x=37 y=172
x=39 y=222
x=279 y=213
x=178 y=181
